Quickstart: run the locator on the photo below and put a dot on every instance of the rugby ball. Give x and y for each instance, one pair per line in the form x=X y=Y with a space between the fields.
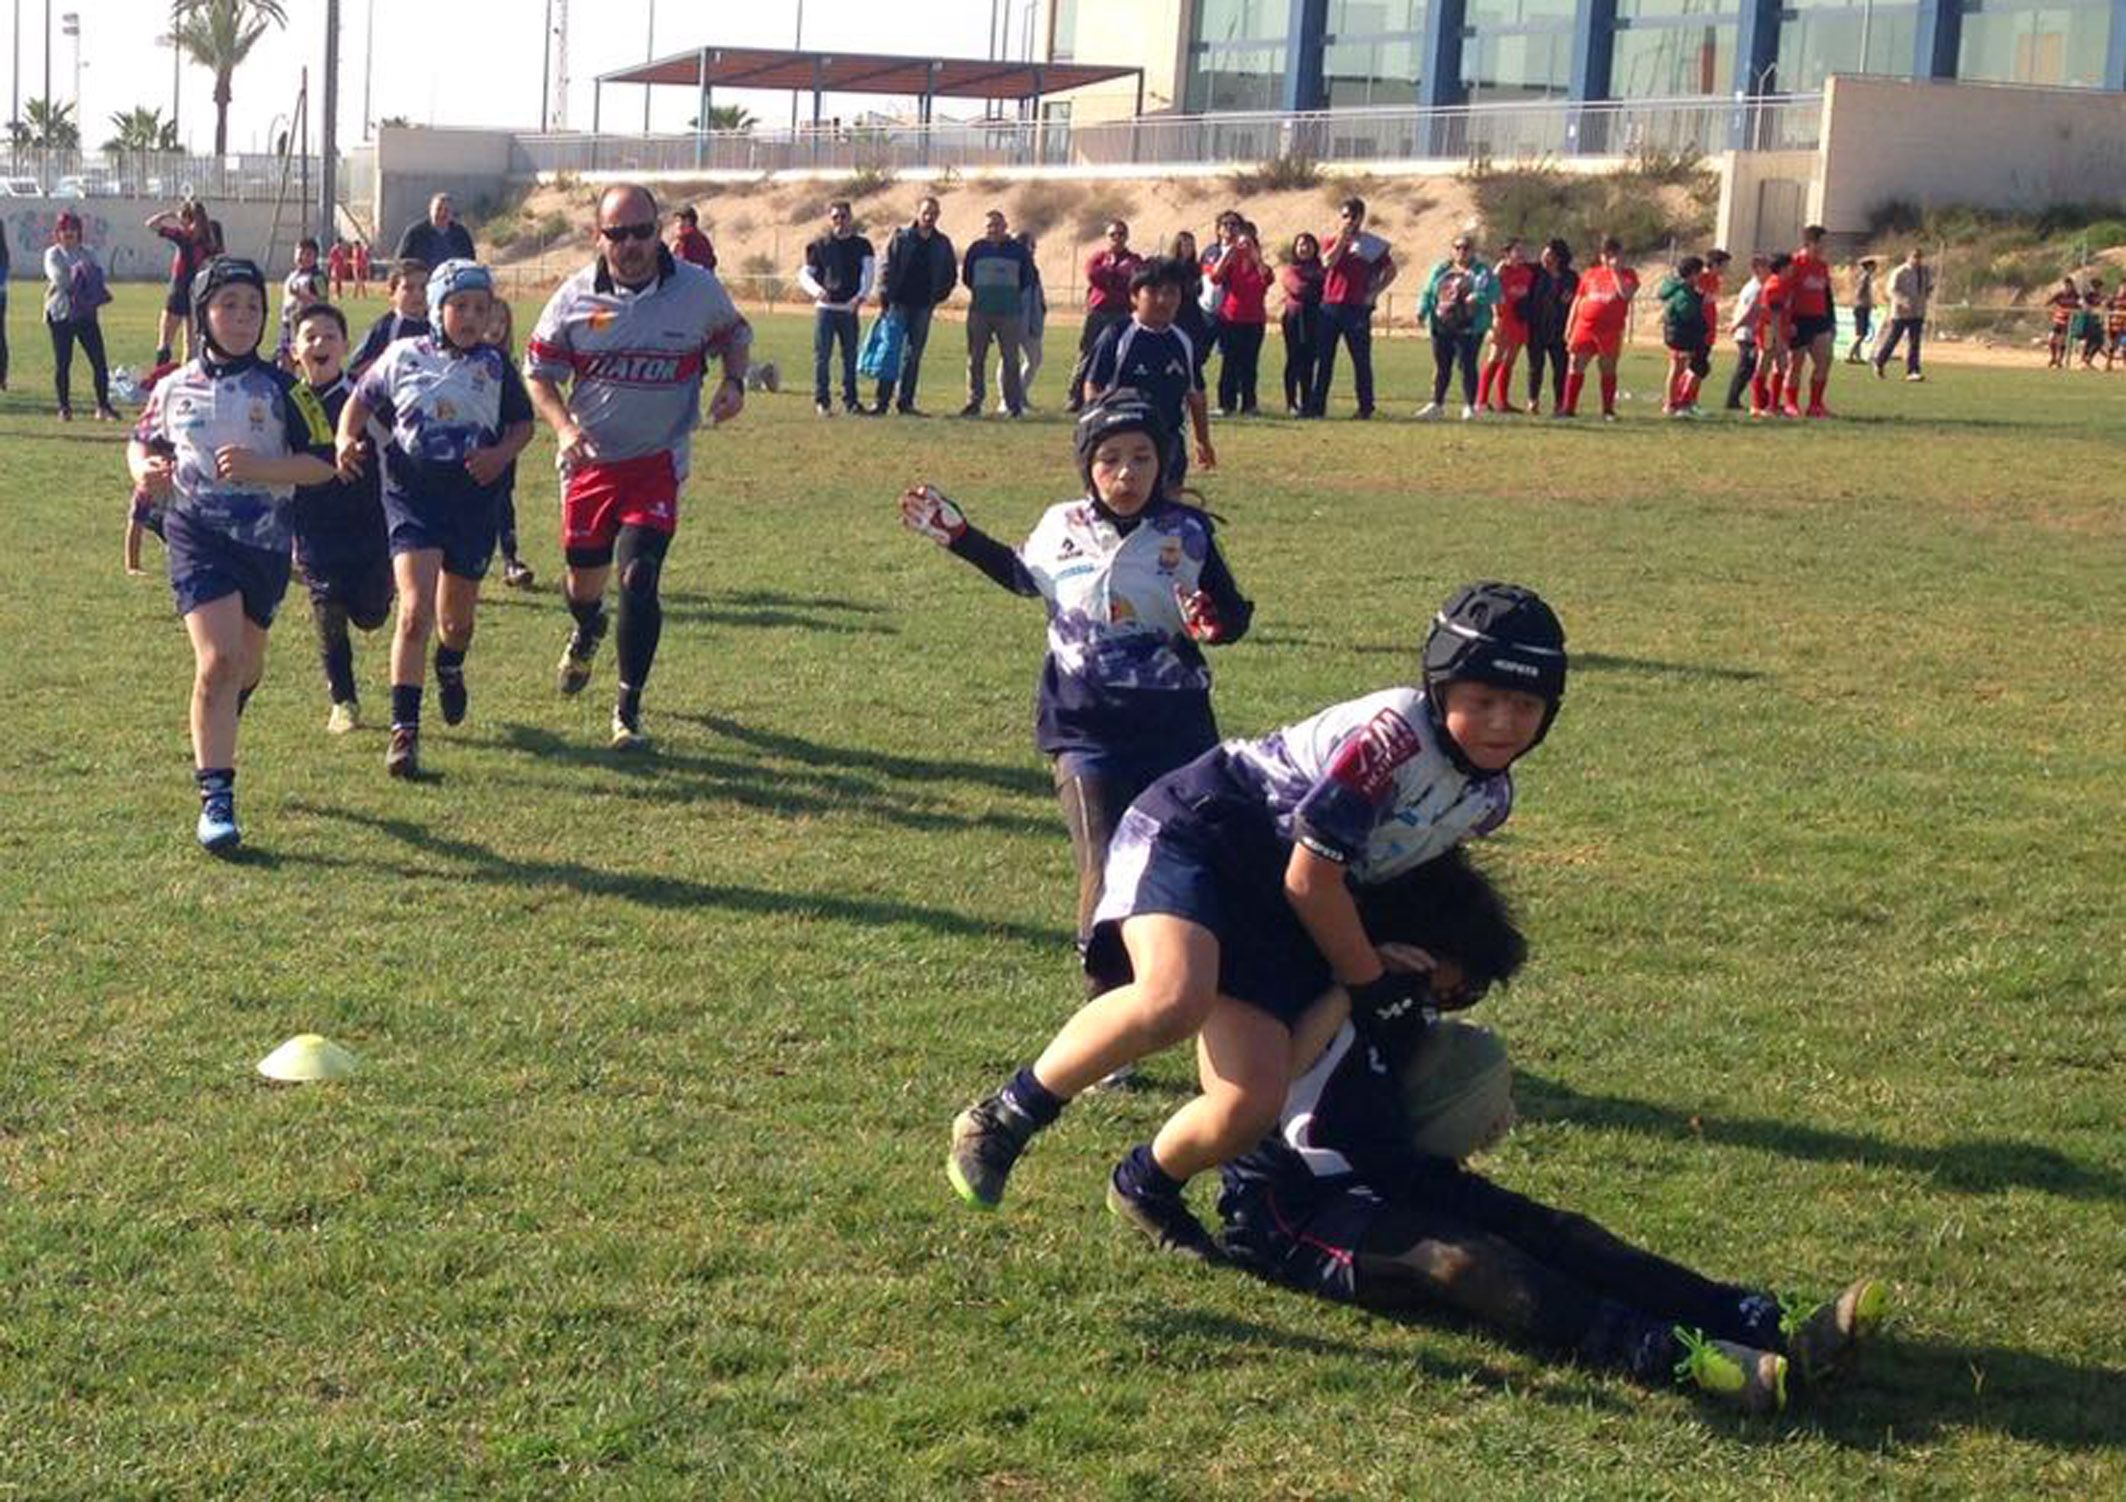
x=1457 y=1091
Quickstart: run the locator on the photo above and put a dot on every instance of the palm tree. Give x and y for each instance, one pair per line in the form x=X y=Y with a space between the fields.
x=142 y=129
x=725 y=117
x=50 y=125
x=219 y=35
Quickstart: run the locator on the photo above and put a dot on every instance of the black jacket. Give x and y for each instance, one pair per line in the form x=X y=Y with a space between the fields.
x=919 y=273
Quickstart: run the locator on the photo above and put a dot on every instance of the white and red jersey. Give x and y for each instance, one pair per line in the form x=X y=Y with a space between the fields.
x=634 y=359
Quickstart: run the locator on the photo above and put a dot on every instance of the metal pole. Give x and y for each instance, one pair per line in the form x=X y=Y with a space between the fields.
x=796 y=46
x=649 y=55
x=329 y=137
x=177 y=71
x=302 y=144
x=369 y=65
x=546 y=67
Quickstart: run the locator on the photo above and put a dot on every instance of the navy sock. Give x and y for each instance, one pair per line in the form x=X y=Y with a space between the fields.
x=214 y=780
x=406 y=706
x=1033 y=1100
x=1622 y=1339
x=1760 y=1322
x=450 y=661
x=1139 y=1173
x=628 y=705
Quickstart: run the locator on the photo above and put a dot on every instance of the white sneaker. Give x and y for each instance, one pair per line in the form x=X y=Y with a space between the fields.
x=1915 y=376
x=1431 y=412
x=628 y=737
x=346 y=715
x=1469 y=413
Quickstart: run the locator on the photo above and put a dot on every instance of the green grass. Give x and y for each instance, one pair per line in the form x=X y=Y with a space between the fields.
x=640 y=1190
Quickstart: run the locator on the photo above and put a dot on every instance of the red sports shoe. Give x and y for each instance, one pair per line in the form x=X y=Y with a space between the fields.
x=1790 y=409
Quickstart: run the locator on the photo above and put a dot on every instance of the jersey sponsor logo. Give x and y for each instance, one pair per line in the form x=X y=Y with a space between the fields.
x=1366 y=764
x=633 y=367
x=1169 y=555
x=602 y=318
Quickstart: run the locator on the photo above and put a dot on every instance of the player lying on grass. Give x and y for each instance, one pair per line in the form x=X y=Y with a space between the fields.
x=1356 y=1195
x=1231 y=880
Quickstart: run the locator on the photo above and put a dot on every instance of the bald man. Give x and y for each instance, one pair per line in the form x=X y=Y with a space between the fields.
x=630 y=336
x=439 y=237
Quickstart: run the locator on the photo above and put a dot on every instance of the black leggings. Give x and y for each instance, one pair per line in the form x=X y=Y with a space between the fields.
x=3 y=337
x=1550 y=1276
x=638 y=561
x=1239 y=375
x=1745 y=367
x=90 y=333
x=1448 y=352
x=1302 y=347
x=1552 y=351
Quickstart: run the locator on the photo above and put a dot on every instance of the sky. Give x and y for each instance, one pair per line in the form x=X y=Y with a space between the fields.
x=460 y=64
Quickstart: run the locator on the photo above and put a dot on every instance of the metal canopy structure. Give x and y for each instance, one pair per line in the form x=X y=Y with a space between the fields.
x=705 y=69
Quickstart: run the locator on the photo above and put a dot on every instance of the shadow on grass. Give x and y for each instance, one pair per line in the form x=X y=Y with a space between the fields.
x=673 y=776
x=812 y=753
x=1978 y=1166
x=754 y=610
x=1603 y=662
x=471 y=861
x=1917 y=1392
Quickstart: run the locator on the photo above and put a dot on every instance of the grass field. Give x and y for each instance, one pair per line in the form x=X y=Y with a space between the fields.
x=640 y=1191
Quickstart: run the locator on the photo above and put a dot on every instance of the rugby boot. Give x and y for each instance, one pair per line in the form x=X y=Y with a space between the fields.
x=576 y=657
x=403 y=757
x=1750 y=1379
x=451 y=694
x=1165 y=1218
x=517 y=574
x=346 y=715
x=987 y=1139
x=218 y=831
x=1822 y=1343
x=628 y=733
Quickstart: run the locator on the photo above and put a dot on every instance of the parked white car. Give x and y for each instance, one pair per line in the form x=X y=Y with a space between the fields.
x=20 y=187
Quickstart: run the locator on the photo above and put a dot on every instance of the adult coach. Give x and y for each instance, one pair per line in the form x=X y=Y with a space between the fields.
x=438 y=238
x=1359 y=266
x=921 y=270
x=631 y=333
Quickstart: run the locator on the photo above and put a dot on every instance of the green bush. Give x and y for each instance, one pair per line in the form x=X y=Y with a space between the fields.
x=1042 y=205
x=1637 y=203
x=1277 y=174
x=1102 y=207
x=867 y=181
x=763 y=277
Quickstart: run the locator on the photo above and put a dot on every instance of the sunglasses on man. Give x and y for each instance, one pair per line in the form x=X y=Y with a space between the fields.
x=618 y=232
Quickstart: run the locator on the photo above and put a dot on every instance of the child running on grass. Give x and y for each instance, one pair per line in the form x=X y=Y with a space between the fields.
x=1595 y=327
x=342 y=549
x=1232 y=878
x=1346 y=1199
x=458 y=415
x=1135 y=588
x=223 y=440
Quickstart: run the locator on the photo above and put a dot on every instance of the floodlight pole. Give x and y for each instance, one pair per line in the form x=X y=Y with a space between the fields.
x=328 y=137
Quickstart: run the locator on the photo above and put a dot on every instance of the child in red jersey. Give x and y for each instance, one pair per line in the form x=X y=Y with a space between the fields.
x=1814 y=323
x=1775 y=332
x=1595 y=327
x=1509 y=329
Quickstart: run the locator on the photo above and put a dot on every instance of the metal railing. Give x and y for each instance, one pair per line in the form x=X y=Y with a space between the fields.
x=1515 y=130
x=240 y=177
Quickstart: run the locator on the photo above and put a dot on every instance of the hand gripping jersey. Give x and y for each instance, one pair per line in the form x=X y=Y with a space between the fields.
x=1364 y=783
x=337 y=518
x=200 y=408
x=636 y=358
x=439 y=405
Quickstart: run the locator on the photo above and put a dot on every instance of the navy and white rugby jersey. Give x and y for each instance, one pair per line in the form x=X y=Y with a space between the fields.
x=392 y=326
x=203 y=406
x=636 y=357
x=338 y=514
x=1161 y=363
x=440 y=403
x=1122 y=671
x=1364 y=783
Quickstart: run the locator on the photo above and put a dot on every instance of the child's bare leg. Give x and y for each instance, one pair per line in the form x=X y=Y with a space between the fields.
x=133 y=529
x=1243 y=1059
x=1176 y=967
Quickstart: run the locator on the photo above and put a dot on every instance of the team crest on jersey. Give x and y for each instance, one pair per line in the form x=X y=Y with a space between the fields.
x=1169 y=555
x=1367 y=762
x=257 y=416
x=1068 y=549
x=602 y=318
x=1121 y=612
x=446 y=409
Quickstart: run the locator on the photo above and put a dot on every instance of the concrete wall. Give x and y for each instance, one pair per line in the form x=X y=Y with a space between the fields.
x=1991 y=146
x=1765 y=198
x=414 y=164
x=112 y=227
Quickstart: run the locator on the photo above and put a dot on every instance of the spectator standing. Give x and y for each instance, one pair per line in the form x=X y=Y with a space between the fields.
x=689 y=244
x=1549 y=302
x=1456 y=312
x=1243 y=281
x=1863 y=311
x=1032 y=331
x=1107 y=273
x=1300 y=281
x=921 y=271
x=437 y=238
x=1911 y=286
x=1509 y=329
x=998 y=274
x=1359 y=266
x=1748 y=322
x=185 y=227
x=1208 y=293
x=838 y=270
x=74 y=290
x=1190 y=317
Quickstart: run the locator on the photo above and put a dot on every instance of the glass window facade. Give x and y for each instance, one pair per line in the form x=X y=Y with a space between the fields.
x=1373 y=56
x=1820 y=37
x=1237 y=56
x=2062 y=45
x=1517 y=49
x=1673 y=62
x=1063 y=31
